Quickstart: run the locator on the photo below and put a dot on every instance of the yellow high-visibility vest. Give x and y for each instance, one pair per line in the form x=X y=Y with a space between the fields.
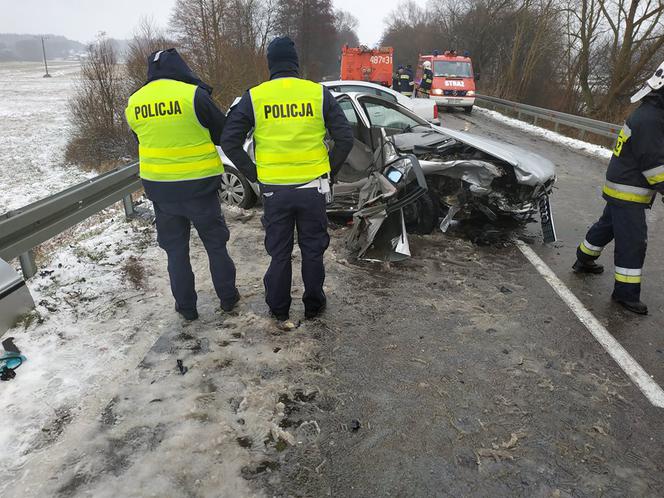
x=290 y=130
x=173 y=145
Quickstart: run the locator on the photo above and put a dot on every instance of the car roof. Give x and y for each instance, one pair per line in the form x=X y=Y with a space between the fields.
x=358 y=83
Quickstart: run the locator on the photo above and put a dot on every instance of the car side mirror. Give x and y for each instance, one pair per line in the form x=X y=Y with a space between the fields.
x=477 y=77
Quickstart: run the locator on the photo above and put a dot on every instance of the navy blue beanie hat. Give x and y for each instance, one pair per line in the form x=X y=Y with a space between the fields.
x=282 y=56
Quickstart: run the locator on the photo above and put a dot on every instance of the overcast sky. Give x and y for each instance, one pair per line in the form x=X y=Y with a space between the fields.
x=82 y=19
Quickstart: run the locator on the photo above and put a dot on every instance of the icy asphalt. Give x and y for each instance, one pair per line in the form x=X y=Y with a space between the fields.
x=456 y=373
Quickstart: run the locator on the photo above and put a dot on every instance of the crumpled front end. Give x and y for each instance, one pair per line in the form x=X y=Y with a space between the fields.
x=379 y=227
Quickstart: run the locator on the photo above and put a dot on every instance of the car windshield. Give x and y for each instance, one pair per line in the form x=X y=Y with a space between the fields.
x=385 y=115
x=450 y=68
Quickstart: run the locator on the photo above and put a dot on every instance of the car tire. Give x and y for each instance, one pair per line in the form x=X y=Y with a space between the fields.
x=422 y=217
x=468 y=110
x=235 y=189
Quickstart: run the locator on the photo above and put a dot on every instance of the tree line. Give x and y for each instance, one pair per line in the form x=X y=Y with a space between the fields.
x=224 y=42
x=580 y=56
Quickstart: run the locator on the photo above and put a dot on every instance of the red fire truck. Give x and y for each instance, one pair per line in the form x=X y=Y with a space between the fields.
x=365 y=64
x=453 y=80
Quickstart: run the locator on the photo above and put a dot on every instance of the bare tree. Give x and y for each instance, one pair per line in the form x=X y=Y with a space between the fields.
x=147 y=39
x=100 y=133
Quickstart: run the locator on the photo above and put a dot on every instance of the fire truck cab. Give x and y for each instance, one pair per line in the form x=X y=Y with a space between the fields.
x=453 y=79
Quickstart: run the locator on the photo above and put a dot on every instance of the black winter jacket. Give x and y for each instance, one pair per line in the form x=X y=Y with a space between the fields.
x=638 y=156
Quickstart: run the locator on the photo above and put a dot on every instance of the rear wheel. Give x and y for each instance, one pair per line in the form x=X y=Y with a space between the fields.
x=235 y=189
x=468 y=110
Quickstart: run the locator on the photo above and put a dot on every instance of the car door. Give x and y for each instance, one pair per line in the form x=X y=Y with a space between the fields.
x=359 y=161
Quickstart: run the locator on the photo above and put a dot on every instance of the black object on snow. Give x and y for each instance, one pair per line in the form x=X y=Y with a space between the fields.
x=182 y=368
x=7 y=374
x=9 y=346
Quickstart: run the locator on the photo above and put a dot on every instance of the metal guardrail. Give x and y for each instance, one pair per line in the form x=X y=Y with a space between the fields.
x=25 y=228
x=601 y=128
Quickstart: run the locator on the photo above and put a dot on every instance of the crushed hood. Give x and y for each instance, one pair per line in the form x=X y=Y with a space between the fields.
x=530 y=168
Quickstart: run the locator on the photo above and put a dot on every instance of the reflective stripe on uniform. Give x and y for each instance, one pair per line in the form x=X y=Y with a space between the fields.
x=168 y=152
x=590 y=249
x=181 y=168
x=628 y=275
x=628 y=193
x=654 y=175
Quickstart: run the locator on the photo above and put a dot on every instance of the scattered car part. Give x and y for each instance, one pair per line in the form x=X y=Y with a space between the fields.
x=10 y=360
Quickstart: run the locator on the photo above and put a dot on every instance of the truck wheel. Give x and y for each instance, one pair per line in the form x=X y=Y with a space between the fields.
x=235 y=189
x=468 y=110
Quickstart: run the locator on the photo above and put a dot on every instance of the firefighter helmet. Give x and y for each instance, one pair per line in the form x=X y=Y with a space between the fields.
x=655 y=82
x=426 y=65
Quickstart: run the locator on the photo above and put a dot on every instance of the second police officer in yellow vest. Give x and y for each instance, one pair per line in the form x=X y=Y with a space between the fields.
x=290 y=118
x=177 y=125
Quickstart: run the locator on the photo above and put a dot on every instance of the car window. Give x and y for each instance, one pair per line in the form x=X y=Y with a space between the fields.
x=385 y=115
x=452 y=68
x=349 y=111
x=386 y=95
x=359 y=88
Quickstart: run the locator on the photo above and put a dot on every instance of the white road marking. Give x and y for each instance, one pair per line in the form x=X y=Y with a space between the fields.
x=634 y=371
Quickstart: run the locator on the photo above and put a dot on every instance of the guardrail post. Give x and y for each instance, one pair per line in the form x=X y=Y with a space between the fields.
x=28 y=264
x=128 y=206
x=556 y=128
x=535 y=121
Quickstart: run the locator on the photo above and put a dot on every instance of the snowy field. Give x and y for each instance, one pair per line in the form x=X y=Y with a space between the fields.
x=34 y=119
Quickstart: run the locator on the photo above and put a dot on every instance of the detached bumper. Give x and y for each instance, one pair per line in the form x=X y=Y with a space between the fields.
x=454 y=101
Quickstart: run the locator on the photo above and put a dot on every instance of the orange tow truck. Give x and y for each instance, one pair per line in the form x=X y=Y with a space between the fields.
x=453 y=79
x=366 y=64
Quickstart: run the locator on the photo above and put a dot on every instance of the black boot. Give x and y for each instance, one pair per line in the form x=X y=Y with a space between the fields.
x=228 y=306
x=589 y=267
x=189 y=314
x=634 y=306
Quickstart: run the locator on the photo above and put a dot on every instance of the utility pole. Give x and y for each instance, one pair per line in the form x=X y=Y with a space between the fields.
x=45 y=64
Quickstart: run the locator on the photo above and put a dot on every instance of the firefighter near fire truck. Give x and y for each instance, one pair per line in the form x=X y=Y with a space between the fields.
x=634 y=176
x=403 y=82
x=424 y=87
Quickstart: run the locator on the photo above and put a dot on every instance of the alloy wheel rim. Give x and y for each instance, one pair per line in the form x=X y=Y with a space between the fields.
x=232 y=190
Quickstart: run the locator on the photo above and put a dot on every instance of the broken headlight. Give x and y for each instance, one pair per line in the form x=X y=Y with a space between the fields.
x=398 y=170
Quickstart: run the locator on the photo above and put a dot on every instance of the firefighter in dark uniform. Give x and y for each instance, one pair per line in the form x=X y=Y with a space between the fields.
x=290 y=117
x=634 y=176
x=424 y=89
x=403 y=82
x=177 y=125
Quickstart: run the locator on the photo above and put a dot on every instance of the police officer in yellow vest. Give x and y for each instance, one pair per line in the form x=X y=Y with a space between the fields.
x=177 y=125
x=290 y=117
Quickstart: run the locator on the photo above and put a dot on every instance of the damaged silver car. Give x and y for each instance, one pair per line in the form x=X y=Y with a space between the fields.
x=405 y=175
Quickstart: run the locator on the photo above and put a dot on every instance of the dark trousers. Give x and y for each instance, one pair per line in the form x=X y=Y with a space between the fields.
x=627 y=225
x=284 y=210
x=174 y=220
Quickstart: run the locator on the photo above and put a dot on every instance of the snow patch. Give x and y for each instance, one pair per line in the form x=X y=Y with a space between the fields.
x=588 y=148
